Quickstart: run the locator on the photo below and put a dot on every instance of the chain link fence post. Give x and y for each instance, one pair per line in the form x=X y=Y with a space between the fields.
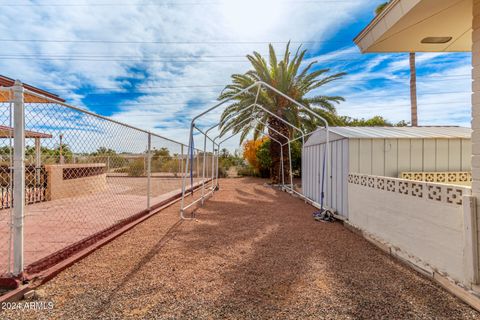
x=149 y=170
x=182 y=173
x=18 y=176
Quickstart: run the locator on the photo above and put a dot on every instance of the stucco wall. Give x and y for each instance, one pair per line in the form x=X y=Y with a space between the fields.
x=423 y=221
x=58 y=187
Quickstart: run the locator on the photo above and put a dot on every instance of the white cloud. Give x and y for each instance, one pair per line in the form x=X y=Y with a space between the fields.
x=168 y=110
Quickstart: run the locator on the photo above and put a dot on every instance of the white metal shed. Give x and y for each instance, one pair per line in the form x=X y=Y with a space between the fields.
x=381 y=151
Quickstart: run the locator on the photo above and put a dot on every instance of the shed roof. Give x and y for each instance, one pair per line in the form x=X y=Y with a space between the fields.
x=391 y=133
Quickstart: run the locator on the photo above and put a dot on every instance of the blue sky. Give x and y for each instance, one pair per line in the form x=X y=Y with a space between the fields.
x=162 y=64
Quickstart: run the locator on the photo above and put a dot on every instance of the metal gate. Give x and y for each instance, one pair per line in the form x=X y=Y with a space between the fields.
x=35 y=185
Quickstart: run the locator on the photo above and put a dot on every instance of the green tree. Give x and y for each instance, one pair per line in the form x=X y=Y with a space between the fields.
x=264 y=159
x=289 y=77
x=381 y=7
x=376 y=121
x=109 y=156
x=162 y=160
x=104 y=151
x=161 y=154
x=227 y=160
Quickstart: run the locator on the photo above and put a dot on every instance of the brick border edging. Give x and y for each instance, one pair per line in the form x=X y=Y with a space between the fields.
x=41 y=277
x=457 y=291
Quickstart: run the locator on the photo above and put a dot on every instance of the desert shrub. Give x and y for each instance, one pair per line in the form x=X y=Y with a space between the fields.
x=136 y=168
x=247 y=171
x=171 y=166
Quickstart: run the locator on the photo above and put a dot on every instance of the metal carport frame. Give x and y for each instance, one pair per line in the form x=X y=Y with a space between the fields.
x=259 y=85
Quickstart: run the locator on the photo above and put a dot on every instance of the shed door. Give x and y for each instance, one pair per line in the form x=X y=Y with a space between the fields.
x=335 y=188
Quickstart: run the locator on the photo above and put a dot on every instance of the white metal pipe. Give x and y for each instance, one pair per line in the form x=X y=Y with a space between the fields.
x=192 y=125
x=293 y=101
x=184 y=181
x=327 y=127
x=281 y=119
x=38 y=160
x=195 y=202
x=218 y=151
x=327 y=191
x=218 y=156
x=282 y=169
x=259 y=84
x=213 y=153
x=290 y=163
x=18 y=177
x=265 y=110
x=204 y=163
x=218 y=123
x=249 y=119
x=10 y=182
x=213 y=163
x=206 y=132
x=149 y=171
x=273 y=129
x=276 y=131
x=267 y=125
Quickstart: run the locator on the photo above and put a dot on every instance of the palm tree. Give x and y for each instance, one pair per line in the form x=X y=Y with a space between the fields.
x=413 y=75
x=413 y=90
x=289 y=77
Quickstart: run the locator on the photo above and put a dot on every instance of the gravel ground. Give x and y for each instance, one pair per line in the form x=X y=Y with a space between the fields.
x=254 y=253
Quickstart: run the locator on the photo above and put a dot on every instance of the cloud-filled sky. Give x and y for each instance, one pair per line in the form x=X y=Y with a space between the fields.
x=156 y=64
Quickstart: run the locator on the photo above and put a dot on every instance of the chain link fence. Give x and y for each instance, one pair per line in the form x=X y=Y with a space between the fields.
x=6 y=185
x=85 y=176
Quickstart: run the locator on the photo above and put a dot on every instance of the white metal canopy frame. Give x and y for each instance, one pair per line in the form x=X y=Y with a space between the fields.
x=215 y=152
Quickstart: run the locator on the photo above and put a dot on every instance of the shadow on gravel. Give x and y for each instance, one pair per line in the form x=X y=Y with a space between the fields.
x=290 y=266
x=162 y=242
x=273 y=242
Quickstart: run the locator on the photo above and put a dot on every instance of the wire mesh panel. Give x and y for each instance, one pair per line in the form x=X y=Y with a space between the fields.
x=166 y=168
x=6 y=184
x=168 y=165
x=86 y=175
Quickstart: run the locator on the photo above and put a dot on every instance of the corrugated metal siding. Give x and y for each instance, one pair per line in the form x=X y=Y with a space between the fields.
x=383 y=157
x=403 y=132
x=335 y=190
x=320 y=137
x=390 y=157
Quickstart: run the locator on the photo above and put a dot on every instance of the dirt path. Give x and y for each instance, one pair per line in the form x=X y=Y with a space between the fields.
x=254 y=253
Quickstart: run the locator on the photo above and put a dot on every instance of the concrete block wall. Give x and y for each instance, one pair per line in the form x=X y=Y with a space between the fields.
x=428 y=224
x=59 y=188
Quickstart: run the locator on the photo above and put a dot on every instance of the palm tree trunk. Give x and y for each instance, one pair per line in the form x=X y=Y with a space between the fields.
x=276 y=150
x=413 y=90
